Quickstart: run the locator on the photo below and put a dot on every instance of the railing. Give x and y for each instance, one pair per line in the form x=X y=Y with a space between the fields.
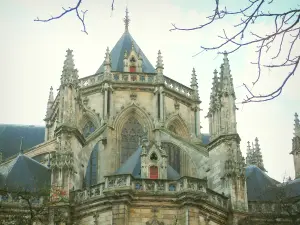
x=90 y=80
x=178 y=87
x=271 y=207
x=127 y=182
x=127 y=77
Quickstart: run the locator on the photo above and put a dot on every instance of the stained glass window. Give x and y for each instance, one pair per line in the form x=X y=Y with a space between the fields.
x=88 y=129
x=131 y=135
x=92 y=168
x=173 y=152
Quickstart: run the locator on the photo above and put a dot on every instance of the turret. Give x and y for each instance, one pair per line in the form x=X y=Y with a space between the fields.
x=227 y=173
x=222 y=110
x=66 y=133
x=296 y=147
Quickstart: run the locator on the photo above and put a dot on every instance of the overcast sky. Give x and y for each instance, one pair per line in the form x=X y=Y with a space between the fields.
x=32 y=56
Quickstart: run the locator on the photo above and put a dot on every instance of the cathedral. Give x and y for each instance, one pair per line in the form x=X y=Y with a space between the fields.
x=124 y=147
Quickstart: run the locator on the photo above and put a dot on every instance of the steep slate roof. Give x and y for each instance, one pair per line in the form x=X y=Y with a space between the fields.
x=117 y=55
x=10 y=137
x=24 y=172
x=259 y=184
x=133 y=166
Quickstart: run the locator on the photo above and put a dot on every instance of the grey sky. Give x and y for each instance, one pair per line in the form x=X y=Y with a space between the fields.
x=32 y=56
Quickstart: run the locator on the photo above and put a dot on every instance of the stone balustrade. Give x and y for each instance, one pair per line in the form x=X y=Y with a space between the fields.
x=177 y=87
x=117 y=183
x=272 y=207
x=90 y=80
x=118 y=77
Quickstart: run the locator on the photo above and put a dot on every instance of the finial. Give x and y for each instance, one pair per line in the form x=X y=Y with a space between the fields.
x=256 y=144
x=126 y=20
x=125 y=54
x=248 y=145
x=215 y=73
x=21 y=145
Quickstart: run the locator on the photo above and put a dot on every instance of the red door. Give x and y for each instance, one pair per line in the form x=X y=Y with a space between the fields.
x=132 y=69
x=153 y=172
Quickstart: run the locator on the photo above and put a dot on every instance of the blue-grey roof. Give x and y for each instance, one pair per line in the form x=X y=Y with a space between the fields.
x=205 y=138
x=133 y=166
x=10 y=137
x=117 y=55
x=24 y=173
x=259 y=184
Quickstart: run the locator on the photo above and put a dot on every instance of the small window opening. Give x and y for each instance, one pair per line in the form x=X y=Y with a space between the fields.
x=153 y=157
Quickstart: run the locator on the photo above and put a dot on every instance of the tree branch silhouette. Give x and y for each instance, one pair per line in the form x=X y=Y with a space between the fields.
x=80 y=15
x=286 y=27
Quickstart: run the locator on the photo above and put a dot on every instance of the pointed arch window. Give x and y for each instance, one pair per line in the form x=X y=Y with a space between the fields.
x=131 y=135
x=173 y=152
x=88 y=129
x=92 y=168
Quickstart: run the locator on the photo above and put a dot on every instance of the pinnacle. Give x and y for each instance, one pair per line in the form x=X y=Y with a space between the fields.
x=69 y=62
x=159 y=62
x=51 y=97
x=296 y=125
x=194 y=82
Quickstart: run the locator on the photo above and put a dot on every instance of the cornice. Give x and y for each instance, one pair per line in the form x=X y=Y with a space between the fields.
x=223 y=138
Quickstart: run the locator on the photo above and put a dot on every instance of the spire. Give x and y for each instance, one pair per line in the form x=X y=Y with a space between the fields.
x=50 y=103
x=126 y=20
x=296 y=126
x=226 y=82
x=21 y=146
x=159 y=64
x=69 y=74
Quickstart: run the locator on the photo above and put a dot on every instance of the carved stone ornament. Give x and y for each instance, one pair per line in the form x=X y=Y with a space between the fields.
x=133 y=96
x=154 y=220
x=176 y=105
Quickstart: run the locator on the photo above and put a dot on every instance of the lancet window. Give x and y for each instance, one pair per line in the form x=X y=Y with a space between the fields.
x=88 y=129
x=92 y=168
x=131 y=136
x=173 y=152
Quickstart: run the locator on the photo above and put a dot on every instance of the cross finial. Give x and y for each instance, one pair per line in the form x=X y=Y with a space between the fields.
x=126 y=20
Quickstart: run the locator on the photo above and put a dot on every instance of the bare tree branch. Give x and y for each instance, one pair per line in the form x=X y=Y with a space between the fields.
x=286 y=26
x=80 y=15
